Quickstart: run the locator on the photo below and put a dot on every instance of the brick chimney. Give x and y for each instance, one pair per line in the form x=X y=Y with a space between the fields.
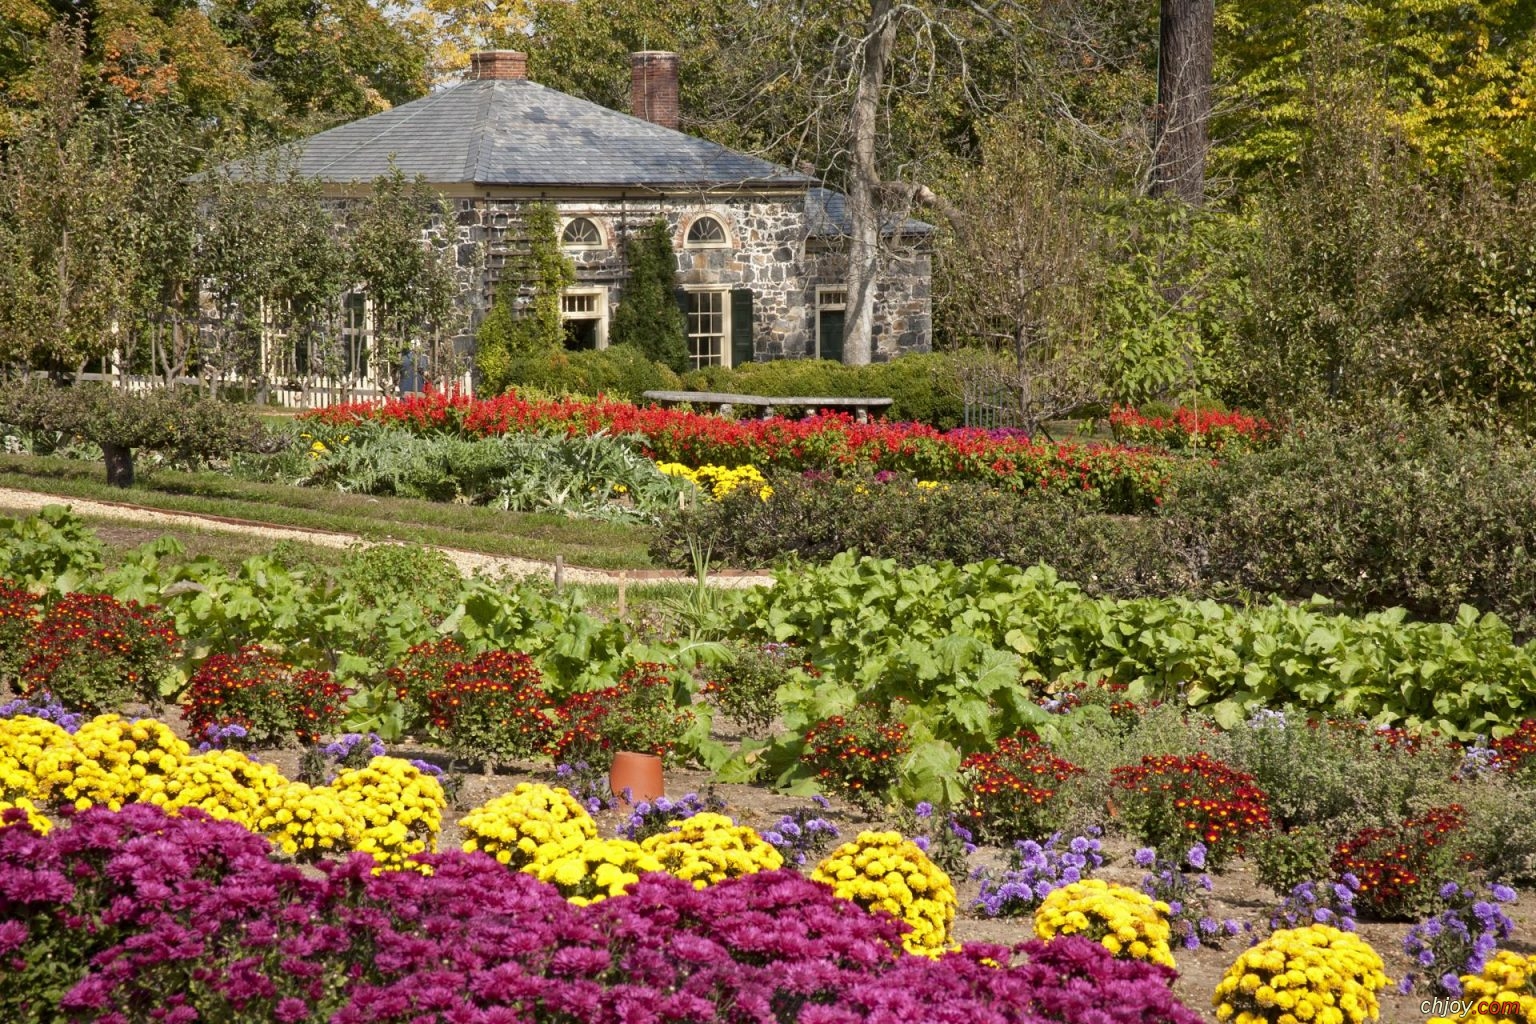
x=498 y=65
x=653 y=87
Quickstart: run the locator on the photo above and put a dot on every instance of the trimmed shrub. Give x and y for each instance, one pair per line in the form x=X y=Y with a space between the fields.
x=619 y=371
x=1402 y=510
x=926 y=388
x=815 y=518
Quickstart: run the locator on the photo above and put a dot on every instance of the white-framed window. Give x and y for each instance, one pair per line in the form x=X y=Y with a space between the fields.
x=709 y=327
x=706 y=232
x=582 y=233
x=584 y=312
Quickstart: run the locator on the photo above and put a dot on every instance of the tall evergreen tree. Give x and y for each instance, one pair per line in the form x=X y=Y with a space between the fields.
x=648 y=317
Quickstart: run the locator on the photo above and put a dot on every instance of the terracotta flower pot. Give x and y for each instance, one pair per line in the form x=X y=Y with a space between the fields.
x=638 y=773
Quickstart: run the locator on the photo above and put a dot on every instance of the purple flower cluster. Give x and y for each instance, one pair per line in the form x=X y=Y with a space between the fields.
x=1186 y=896
x=1460 y=939
x=355 y=749
x=218 y=737
x=803 y=833
x=135 y=915
x=43 y=705
x=946 y=842
x=1330 y=903
x=1035 y=870
x=588 y=785
x=652 y=817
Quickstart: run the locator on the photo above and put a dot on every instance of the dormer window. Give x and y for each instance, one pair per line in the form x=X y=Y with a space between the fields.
x=705 y=233
x=581 y=233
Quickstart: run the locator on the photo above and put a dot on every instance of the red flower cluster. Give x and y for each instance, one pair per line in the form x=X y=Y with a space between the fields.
x=264 y=695
x=1127 y=480
x=1516 y=752
x=18 y=617
x=421 y=670
x=96 y=654
x=1011 y=789
x=492 y=707
x=580 y=718
x=1401 y=867
x=1191 y=428
x=856 y=754
x=1103 y=692
x=639 y=714
x=1177 y=801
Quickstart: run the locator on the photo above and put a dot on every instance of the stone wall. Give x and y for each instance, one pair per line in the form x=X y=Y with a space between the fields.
x=768 y=250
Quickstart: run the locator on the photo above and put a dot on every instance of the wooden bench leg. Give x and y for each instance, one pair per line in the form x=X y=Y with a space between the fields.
x=767 y=412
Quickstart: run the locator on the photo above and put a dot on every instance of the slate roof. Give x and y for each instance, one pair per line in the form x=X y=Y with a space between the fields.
x=826 y=215
x=517 y=132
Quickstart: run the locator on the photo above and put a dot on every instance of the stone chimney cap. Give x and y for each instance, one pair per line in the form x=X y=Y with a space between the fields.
x=498 y=65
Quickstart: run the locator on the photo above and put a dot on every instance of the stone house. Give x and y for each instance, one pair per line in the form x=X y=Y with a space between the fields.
x=759 y=246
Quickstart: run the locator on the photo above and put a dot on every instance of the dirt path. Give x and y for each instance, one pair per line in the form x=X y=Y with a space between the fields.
x=467 y=561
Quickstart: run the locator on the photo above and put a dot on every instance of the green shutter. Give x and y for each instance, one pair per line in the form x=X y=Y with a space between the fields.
x=830 y=324
x=741 y=326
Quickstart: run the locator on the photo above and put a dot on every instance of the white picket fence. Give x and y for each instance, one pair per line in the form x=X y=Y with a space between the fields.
x=305 y=393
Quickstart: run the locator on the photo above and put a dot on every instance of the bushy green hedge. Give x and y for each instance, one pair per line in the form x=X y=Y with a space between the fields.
x=178 y=422
x=926 y=388
x=619 y=371
x=1401 y=510
x=814 y=518
x=1400 y=513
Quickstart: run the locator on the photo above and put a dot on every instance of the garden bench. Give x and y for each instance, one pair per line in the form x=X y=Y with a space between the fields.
x=723 y=402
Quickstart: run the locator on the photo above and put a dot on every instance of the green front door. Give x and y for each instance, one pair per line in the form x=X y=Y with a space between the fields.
x=829 y=331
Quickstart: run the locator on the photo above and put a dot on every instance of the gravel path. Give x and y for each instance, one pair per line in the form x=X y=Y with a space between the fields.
x=467 y=561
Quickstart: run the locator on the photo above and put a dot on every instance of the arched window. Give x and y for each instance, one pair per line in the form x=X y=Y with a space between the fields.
x=581 y=233
x=704 y=233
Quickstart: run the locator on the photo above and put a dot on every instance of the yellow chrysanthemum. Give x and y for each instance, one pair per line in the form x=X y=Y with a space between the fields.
x=398 y=807
x=1317 y=974
x=595 y=870
x=875 y=871
x=1128 y=923
x=708 y=848
x=533 y=822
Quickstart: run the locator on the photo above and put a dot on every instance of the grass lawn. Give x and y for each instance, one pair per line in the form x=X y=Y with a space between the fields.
x=471 y=528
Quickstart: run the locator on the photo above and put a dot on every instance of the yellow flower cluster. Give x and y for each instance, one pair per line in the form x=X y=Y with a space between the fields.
x=1312 y=975
x=1505 y=993
x=306 y=821
x=882 y=871
x=399 y=809
x=1128 y=923
x=115 y=757
x=708 y=848
x=39 y=824
x=388 y=809
x=533 y=822
x=224 y=783
x=595 y=870
x=718 y=481
x=37 y=758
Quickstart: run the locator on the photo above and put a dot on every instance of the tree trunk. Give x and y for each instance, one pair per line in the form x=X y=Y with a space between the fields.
x=119 y=459
x=863 y=184
x=1180 y=140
